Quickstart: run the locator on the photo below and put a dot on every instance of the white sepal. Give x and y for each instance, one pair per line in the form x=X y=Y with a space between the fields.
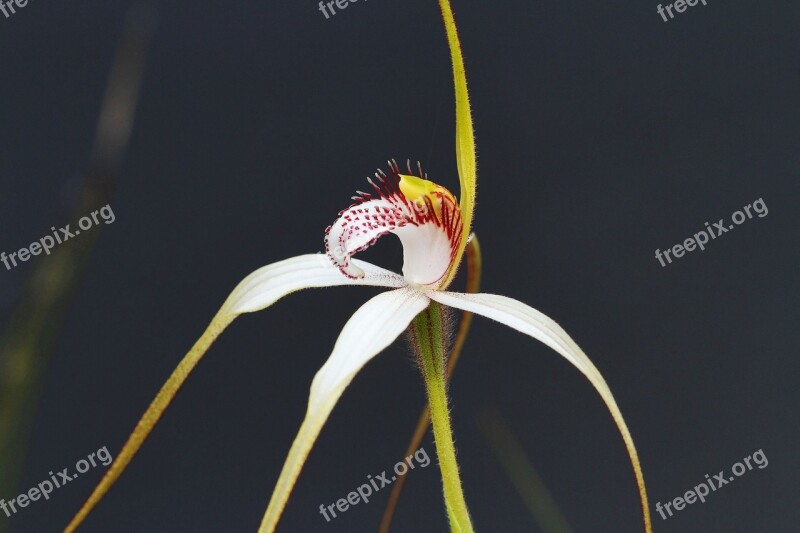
x=528 y=320
x=268 y=284
x=372 y=328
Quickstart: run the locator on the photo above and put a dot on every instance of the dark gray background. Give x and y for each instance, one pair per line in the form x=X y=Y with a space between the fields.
x=603 y=134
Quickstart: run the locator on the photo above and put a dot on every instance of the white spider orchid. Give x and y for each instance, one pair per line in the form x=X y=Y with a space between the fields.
x=434 y=229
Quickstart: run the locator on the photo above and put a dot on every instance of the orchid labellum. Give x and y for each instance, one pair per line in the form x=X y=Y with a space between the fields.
x=434 y=229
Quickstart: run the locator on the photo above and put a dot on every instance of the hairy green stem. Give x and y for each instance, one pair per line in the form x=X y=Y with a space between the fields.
x=428 y=334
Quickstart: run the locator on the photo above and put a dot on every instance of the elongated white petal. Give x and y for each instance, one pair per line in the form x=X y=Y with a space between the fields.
x=257 y=291
x=268 y=284
x=528 y=320
x=371 y=329
x=521 y=317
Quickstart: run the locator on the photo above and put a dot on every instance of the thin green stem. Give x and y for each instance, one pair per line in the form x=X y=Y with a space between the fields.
x=428 y=331
x=474 y=262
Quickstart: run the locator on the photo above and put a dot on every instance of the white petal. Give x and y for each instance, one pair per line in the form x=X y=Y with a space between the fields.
x=427 y=253
x=528 y=320
x=268 y=284
x=371 y=329
x=521 y=317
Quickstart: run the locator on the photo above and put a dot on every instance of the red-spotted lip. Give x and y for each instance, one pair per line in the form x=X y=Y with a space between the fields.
x=429 y=227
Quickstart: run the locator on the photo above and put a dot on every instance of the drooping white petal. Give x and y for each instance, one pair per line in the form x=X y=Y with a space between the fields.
x=268 y=284
x=525 y=319
x=425 y=216
x=528 y=320
x=257 y=291
x=371 y=329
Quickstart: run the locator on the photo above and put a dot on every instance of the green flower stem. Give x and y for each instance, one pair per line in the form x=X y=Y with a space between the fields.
x=474 y=262
x=428 y=334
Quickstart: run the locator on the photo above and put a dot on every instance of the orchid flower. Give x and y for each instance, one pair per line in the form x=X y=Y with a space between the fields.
x=434 y=228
